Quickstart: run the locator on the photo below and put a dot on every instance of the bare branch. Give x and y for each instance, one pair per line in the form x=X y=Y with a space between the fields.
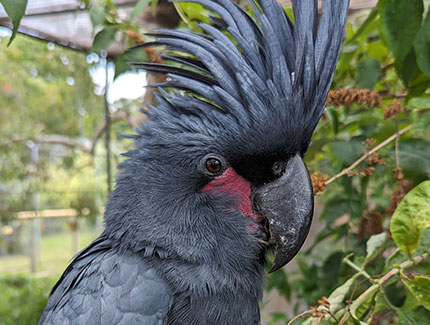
x=397 y=145
x=50 y=139
x=124 y=115
x=368 y=154
x=71 y=142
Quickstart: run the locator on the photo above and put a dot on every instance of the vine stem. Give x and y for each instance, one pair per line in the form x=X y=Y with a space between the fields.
x=366 y=294
x=357 y=268
x=367 y=155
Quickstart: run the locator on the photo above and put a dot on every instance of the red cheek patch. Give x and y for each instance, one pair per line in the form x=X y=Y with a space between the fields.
x=233 y=184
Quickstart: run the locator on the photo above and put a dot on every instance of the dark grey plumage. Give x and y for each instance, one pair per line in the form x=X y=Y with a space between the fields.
x=108 y=288
x=170 y=253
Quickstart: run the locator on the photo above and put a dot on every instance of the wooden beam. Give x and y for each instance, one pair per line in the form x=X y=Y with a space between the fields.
x=54 y=213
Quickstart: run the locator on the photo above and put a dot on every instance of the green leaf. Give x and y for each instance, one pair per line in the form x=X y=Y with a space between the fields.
x=422 y=46
x=121 y=66
x=370 y=18
x=97 y=15
x=418 y=316
x=420 y=288
x=380 y=303
x=396 y=258
x=138 y=9
x=103 y=39
x=411 y=217
x=359 y=311
x=424 y=246
x=374 y=246
x=377 y=51
x=15 y=10
x=400 y=22
x=193 y=11
x=110 y=4
x=121 y=62
x=410 y=302
x=414 y=156
x=278 y=318
x=407 y=69
x=316 y=146
x=338 y=295
x=331 y=270
x=368 y=73
x=360 y=120
x=279 y=281
x=346 y=151
x=154 y=4
x=417 y=87
x=335 y=208
x=333 y=115
x=420 y=102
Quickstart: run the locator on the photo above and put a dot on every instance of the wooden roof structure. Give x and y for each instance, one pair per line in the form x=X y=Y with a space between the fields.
x=67 y=23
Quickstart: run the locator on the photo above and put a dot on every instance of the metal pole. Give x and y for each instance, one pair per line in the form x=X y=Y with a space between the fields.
x=75 y=235
x=35 y=222
x=108 y=126
x=35 y=235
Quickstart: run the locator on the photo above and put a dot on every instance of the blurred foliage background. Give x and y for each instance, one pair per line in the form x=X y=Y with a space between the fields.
x=366 y=261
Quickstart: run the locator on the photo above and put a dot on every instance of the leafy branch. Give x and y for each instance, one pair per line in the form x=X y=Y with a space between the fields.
x=378 y=283
x=407 y=227
x=350 y=309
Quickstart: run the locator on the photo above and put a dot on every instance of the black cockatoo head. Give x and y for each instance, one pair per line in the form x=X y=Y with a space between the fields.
x=221 y=156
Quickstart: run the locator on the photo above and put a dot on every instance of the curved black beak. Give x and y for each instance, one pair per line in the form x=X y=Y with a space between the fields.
x=288 y=204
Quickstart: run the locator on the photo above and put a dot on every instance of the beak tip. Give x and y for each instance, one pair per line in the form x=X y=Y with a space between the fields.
x=282 y=258
x=275 y=268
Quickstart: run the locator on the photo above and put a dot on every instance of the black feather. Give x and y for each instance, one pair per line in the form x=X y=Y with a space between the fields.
x=165 y=69
x=192 y=63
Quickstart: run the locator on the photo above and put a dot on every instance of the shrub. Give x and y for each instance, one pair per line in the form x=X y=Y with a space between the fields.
x=22 y=298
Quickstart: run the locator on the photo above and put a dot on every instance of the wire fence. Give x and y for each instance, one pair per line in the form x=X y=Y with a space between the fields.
x=48 y=235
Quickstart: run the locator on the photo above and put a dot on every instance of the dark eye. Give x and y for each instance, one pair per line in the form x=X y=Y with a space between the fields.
x=213 y=165
x=278 y=168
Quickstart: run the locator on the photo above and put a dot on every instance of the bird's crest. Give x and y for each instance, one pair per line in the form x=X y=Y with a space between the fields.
x=265 y=69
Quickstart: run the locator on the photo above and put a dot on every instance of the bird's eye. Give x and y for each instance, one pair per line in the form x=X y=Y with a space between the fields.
x=278 y=168
x=213 y=165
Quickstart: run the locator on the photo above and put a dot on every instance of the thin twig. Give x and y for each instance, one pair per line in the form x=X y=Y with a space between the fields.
x=333 y=316
x=397 y=145
x=368 y=154
x=300 y=316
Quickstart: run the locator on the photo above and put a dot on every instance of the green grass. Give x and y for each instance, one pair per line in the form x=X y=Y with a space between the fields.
x=56 y=253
